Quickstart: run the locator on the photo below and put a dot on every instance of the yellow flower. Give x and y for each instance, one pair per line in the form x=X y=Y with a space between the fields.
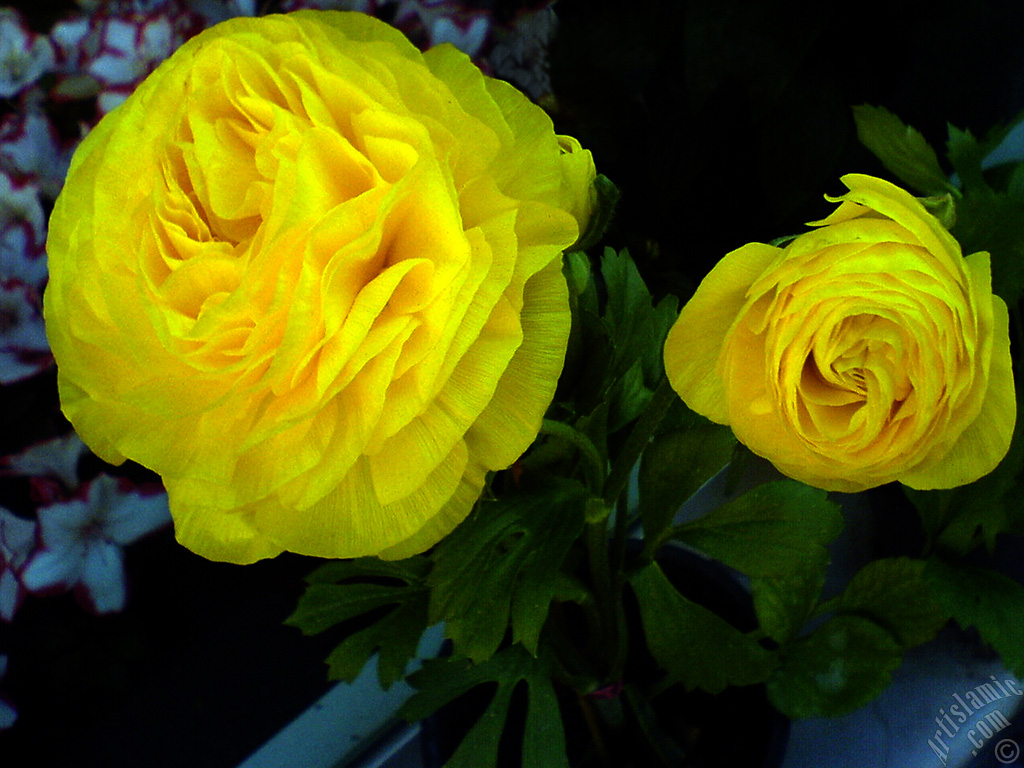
x=312 y=277
x=865 y=351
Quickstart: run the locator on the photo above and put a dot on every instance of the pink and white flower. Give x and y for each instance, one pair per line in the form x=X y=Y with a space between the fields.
x=17 y=540
x=83 y=539
x=24 y=55
x=129 y=50
x=51 y=466
x=30 y=146
x=24 y=349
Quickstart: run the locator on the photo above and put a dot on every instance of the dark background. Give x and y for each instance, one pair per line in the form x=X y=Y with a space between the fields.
x=721 y=121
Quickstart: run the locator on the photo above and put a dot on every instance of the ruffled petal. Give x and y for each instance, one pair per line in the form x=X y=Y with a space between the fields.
x=696 y=340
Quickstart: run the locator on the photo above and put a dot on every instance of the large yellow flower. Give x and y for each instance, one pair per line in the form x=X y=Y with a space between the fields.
x=865 y=351
x=312 y=278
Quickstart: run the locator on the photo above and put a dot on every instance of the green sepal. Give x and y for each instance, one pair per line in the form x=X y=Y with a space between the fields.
x=607 y=199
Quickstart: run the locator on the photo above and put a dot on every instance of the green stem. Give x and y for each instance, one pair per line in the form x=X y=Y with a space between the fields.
x=601 y=576
x=663 y=398
x=594 y=466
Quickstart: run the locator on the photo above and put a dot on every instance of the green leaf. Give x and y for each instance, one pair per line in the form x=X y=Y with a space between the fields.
x=628 y=397
x=893 y=593
x=957 y=520
x=902 y=149
x=994 y=222
x=629 y=311
x=842 y=665
x=673 y=467
x=665 y=314
x=614 y=355
x=410 y=570
x=771 y=530
x=695 y=646
x=394 y=634
x=981 y=598
x=783 y=603
x=501 y=565
x=966 y=155
x=395 y=637
x=440 y=681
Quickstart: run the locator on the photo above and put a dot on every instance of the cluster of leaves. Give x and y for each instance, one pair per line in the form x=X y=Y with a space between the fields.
x=979 y=194
x=505 y=581
x=545 y=551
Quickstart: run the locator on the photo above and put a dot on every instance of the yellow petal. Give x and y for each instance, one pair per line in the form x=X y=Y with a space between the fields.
x=984 y=443
x=696 y=340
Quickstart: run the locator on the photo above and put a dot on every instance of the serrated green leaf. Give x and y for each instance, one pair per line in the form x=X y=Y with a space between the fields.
x=695 y=646
x=994 y=222
x=629 y=312
x=323 y=606
x=902 y=149
x=957 y=520
x=989 y=601
x=665 y=314
x=784 y=603
x=842 y=665
x=500 y=566
x=441 y=681
x=892 y=592
x=966 y=155
x=629 y=397
x=395 y=637
x=673 y=467
x=771 y=530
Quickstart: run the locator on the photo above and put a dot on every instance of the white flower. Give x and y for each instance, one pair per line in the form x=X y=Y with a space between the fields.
x=24 y=349
x=22 y=232
x=7 y=713
x=73 y=41
x=216 y=11
x=19 y=202
x=57 y=458
x=83 y=539
x=129 y=50
x=17 y=540
x=30 y=146
x=24 y=55
x=467 y=34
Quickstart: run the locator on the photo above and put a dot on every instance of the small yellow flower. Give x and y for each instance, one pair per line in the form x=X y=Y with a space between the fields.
x=312 y=277
x=865 y=351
